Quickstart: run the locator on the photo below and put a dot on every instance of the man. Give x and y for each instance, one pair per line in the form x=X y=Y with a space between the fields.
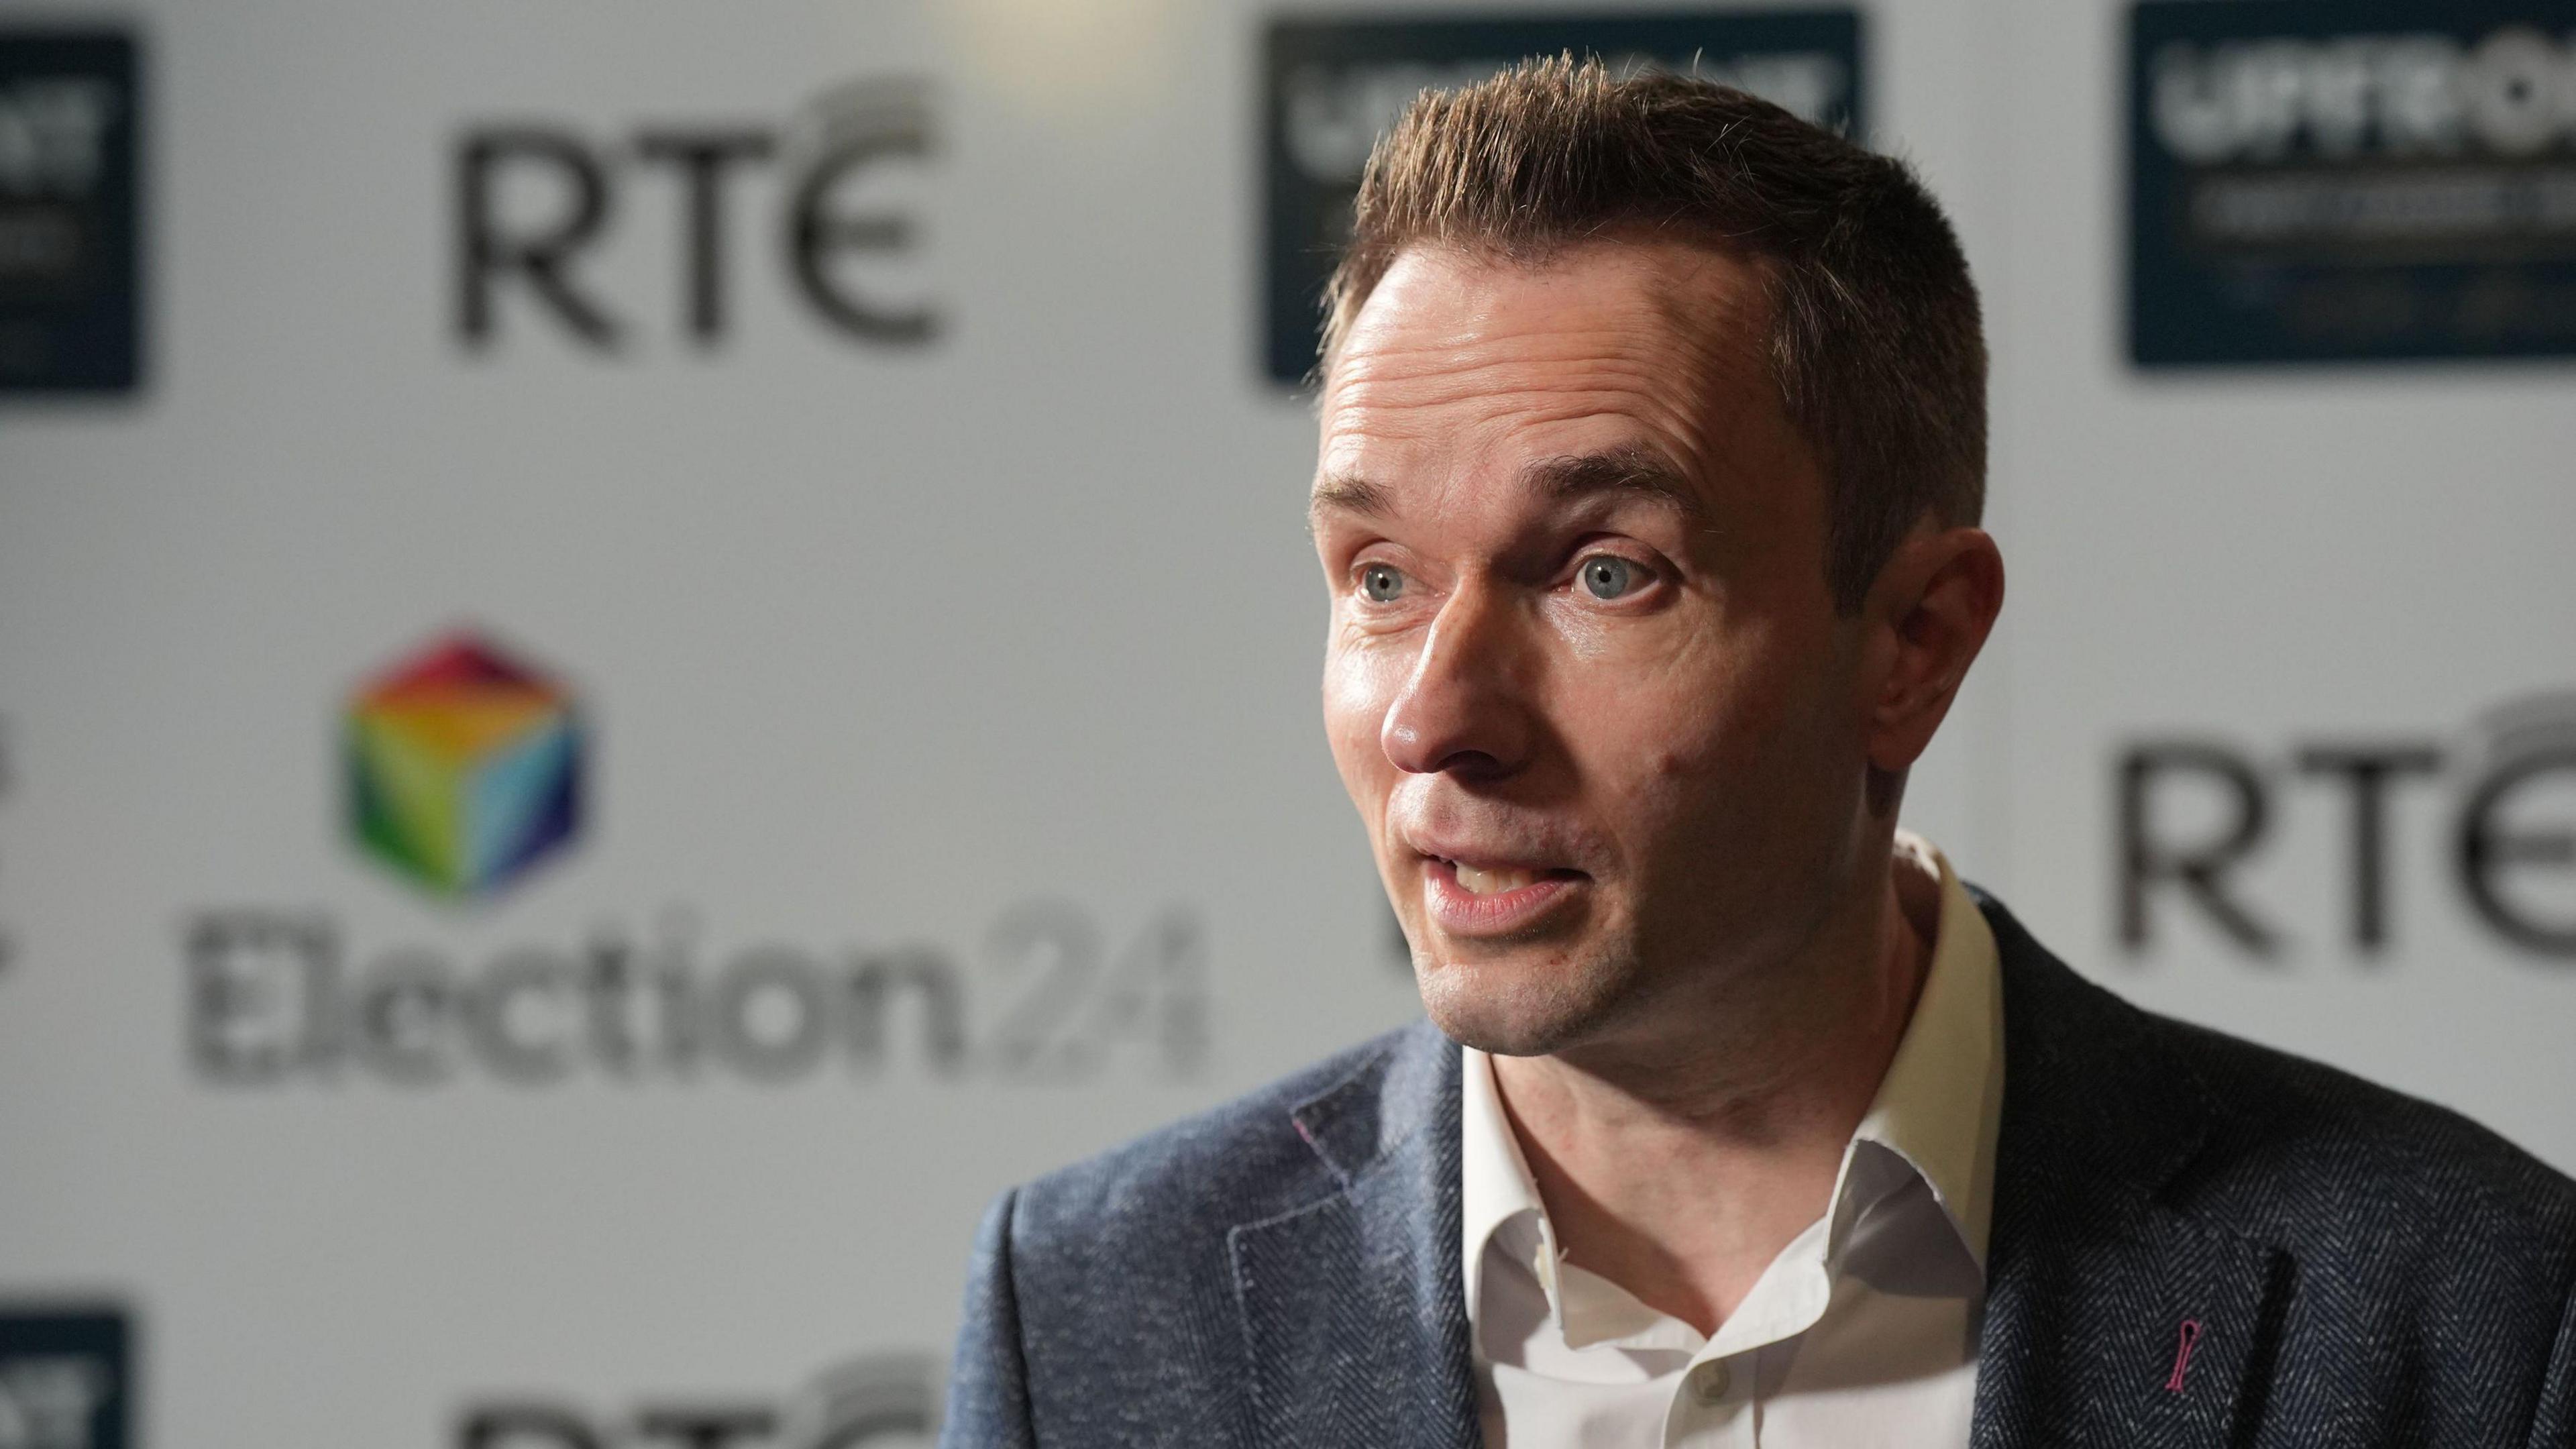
x=1652 y=454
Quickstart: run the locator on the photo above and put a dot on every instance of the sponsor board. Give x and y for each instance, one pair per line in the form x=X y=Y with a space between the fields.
x=71 y=118
x=537 y=203
x=2195 y=814
x=66 y=1378
x=1331 y=87
x=2320 y=180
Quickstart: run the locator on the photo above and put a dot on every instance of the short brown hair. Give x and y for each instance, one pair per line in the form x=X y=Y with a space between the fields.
x=1875 y=341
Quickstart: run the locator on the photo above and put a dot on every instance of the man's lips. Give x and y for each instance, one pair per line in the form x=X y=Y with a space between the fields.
x=1471 y=897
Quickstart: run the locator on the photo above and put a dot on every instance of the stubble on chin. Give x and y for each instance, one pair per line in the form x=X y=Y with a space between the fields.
x=1526 y=1003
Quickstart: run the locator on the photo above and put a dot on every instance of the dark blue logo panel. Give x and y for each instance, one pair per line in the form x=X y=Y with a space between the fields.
x=70 y=113
x=1331 y=87
x=2331 y=180
x=66 y=1379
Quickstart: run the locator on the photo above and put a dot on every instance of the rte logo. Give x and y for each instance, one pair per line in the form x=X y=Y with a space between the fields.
x=535 y=203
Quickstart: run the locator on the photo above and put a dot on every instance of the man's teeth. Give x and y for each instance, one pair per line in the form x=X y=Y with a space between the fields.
x=1493 y=882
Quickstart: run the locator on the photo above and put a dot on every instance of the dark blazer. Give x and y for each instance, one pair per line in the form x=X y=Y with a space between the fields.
x=2364 y=1269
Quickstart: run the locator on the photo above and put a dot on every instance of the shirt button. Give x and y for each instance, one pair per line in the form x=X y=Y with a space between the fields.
x=1708 y=1382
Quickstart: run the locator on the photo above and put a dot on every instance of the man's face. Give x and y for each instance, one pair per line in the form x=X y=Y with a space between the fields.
x=1585 y=680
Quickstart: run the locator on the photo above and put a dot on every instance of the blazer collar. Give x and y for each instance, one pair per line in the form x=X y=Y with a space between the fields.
x=1353 y=1308
x=1402 y=1091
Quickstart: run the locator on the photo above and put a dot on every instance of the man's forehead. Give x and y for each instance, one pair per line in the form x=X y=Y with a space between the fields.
x=1606 y=365
x=1442 y=313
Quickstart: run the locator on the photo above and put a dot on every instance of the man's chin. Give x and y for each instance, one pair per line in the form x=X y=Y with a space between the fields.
x=1513 y=1008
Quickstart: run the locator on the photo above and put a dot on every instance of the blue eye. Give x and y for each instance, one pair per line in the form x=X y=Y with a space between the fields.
x=1608 y=576
x=1380 y=584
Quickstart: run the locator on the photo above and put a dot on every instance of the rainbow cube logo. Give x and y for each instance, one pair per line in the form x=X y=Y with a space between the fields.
x=464 y=767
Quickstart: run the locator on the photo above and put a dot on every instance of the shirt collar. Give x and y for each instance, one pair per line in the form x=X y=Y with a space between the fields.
x=1941 y=1102
x=1937 y=1109
x=1494 y=1182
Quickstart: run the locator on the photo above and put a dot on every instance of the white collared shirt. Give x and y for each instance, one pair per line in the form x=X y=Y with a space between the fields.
x=1861 y=1333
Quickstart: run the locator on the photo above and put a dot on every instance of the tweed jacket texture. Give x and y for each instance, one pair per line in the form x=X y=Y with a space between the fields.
x=2359 y=1268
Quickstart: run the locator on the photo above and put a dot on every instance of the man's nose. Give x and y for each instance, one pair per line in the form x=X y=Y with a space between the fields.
x=1463 y=708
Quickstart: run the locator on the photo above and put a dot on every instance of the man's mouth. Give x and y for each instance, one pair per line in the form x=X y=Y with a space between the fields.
x=1480 y=881
x=1493 y=898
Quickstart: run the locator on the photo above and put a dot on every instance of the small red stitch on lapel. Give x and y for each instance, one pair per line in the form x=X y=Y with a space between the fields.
x=2182 y=1355
x=1301 y=1130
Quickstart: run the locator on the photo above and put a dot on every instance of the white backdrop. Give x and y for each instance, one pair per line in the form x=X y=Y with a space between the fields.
x=887 y=651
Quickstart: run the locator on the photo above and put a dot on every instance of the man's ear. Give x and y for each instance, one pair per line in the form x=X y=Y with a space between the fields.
x=1928 y=615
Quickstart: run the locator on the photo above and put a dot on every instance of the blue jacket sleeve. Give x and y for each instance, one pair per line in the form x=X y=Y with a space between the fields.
x=988 y=1384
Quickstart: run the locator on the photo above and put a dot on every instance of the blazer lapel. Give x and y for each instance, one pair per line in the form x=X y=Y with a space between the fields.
x=1354 y=1315
x=2144 y=1334
x=2113 y=1317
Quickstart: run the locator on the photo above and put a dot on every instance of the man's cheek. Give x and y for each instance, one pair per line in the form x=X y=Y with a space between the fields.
x=1724 y=717
x=1669 y=732
x=1359 y=684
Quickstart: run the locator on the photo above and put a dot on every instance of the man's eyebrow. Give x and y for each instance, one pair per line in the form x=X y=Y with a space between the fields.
x=1344 y=493
x=1634 y=470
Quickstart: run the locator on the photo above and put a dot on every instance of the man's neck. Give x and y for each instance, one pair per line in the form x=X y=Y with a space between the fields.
x=1679 y=1168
